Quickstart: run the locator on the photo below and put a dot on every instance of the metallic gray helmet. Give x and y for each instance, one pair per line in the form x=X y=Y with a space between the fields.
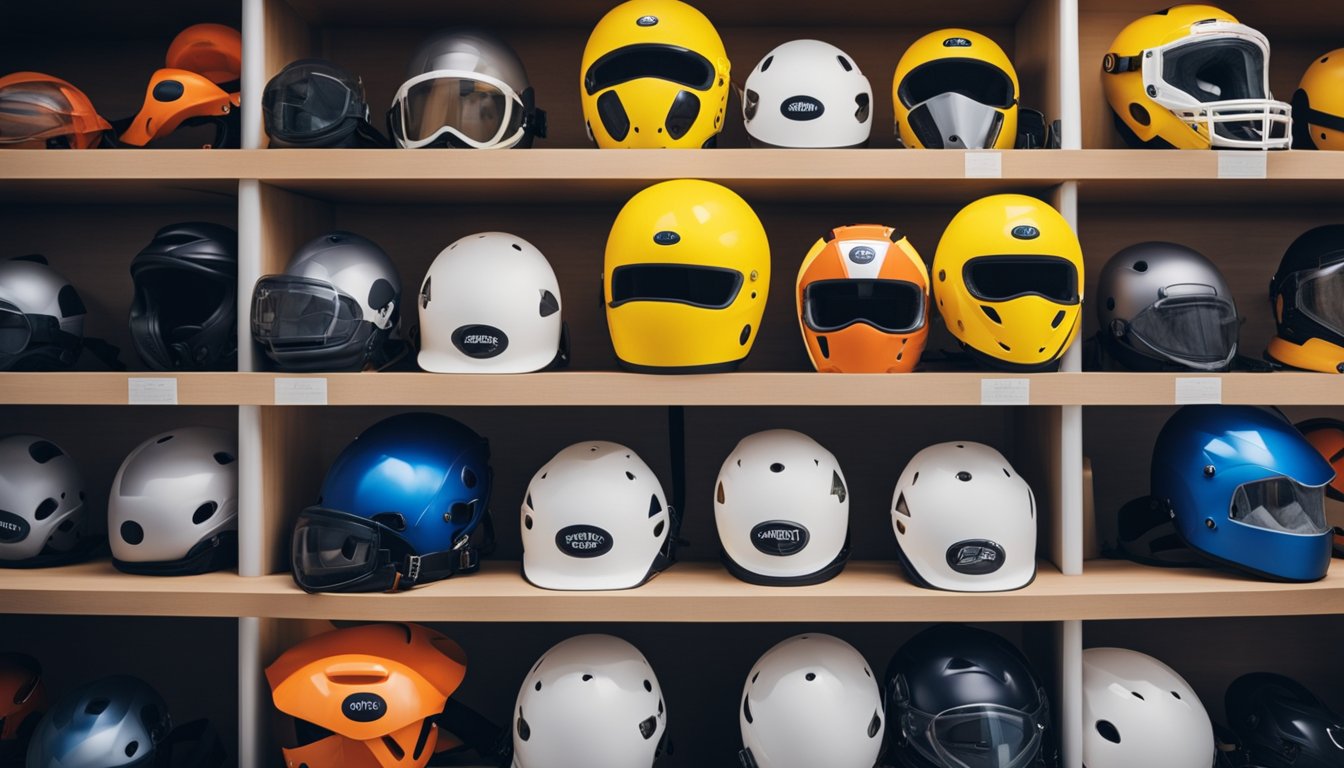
x=43 y=518
x=1165 y=306
x=115 y=722
x=41 y=317
x=335 y=309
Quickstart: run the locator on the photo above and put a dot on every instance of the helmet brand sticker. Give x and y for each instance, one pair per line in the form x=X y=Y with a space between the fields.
x=779 y=538
x=480 y=341
x=647 y=21
x=862 y=254
x=666 y=237
x=1026 y=232
x=801 y=108
x=956 y=42
x=12 y=527
x=364 y=707
x=583 y=541
x=975 y=557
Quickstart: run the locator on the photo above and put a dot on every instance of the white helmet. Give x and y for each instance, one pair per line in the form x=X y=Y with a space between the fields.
x=806 y=93
x=43 y=519
x=174 y=504
x=595 y=517
x=591 y=701
x=1138 y=712
x=782 y=509
x=964 y=520
x=490 y=303
x=811 y=701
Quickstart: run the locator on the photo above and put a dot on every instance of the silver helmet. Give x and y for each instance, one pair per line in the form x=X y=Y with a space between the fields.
x=43 y=518
x=1166 y=306
x=115 y=722
x=41 y=317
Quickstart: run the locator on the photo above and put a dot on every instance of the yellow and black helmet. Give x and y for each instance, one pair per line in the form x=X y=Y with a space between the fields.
x=955 y=89
x=1318 y=104
x=1008 y=281
x=655 y=74
x=685 y=279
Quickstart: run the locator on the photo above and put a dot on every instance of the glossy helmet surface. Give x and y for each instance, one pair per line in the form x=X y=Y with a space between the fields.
x=956 y=89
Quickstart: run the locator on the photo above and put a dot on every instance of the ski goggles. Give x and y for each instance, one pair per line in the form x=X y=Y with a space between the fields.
x=480 y=111
x=977 y=735
x=1194 y=331
x=335 y=551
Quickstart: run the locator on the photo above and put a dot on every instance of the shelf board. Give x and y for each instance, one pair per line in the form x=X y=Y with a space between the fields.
x=689 y=592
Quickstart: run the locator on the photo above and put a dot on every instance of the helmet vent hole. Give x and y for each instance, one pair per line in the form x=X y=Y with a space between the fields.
x=718 y=494
x=1137 y=695
x=874 y=725
x=1108 y=731
x=914 y=480
x=746 y=710
x=204 y=512
x=900 y=527
x=1059 y=318
x=866 y=672
x=132 y=748
x=392 y=520
x=964 y=476
x=537 y=686
x=660 y=706
x=224 y=458
x=96 y=707
x=838 y=487
x=655 y=506
x=942 y=275
x=776 y=467
x=524 y=731
x=549 y=304
x=587 y=678
x=648 y=727
x=528 y=502
x=1140 y=266
x=629 y=475
x=648 y=686
x=1176 y=695
x=468 y=477
x=132 y=533
x=959 y=665
x=1006 y=473
x=862 y=106
x=43 y=451
x=658 y=529
x=745 y=335
x=163 y=439
x=425 y=292
x=1006 y=348
x=811 y=676
x=753 y=677
x=901 y=506
x=1110 y=303
x=517 y=247
x=766 y=64
x=45 y=509
x=393 y=748
x=991 y=314
x=66 y=526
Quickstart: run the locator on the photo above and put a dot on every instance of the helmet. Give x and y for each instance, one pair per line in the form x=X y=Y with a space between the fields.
x=465 y=88
x=365 y=696
x=1245 y=489
x=1327 y=437
x=1164 y=306
x=964 y=520
x=591 y=701
x=811 y=701
x=806 y=93
x=1193 y=77
x=595 y=517
x=43 y=519
x=185 y=312
x=212 y=50
x=173 y=509
x=314 y=103
x=22 y=697
x=955 y=89
x=863 y=301
x=115 y=722
x=1318 y=104
x=782 y=510
x=378 y=528
x=335 y=308
x=1009 y=282
x=958 y=693
x=1138 y=711
x=490 y=303
x=38 y=111
x=1305 y=295
x=685 y=279
x=1281 y=724
x=655 y=74
x=176 y=97
x=41 y=317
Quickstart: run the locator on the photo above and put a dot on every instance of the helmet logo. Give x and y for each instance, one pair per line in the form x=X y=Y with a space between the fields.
x=363 y=707
x=666 y=237
x=12 y=527
x=583 y=541
x=975 y=557
x=956 y=42
x=480 y=341
x=647 y=21
x=1026 y=232
x=862 y=254
x=801 y=108
x=779 y=538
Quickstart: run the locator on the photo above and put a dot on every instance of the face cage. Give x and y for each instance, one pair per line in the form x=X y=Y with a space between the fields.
x=512 y=101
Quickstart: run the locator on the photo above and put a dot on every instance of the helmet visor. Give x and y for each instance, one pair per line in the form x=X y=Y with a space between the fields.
x=662 y=62
x=707 y=287
x=1198 y=331
x=15 y=330
x=1216 y=69
x=1279 y=504
x=1000 y=278
x=1321 y=295
x=310 y=99
x=481 y=111
x=33 y=110
x=955 y=121
x=334 y=551
x=894 y=306
x=301 y=311
x=978 y=736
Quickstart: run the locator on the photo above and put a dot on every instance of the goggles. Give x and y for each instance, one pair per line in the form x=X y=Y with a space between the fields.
x=480 y=111
x=335 y=551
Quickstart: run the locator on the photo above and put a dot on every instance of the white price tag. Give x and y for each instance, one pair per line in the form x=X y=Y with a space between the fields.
x=1202 y=390
x=1242 y=164
x=160 y=390
x=1005 y=391
x=304 y=391
x=984 y=165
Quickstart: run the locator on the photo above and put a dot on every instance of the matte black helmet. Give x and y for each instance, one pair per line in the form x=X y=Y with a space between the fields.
x=185 y=313
x=314 y=103
x=1280 y=724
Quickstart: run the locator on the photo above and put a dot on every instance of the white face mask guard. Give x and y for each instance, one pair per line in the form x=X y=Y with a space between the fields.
x=512 y=102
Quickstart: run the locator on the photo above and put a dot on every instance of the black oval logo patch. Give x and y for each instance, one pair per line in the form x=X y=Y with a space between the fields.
x=1026 y=232
x=583 y=541
x=956 y=42
x=480 y=341
x=363 y=707
x=975 y=557
x=12 y=527
x=647 y=21
x=862 y=254
x=801 y=108
x=779 y=538
x=666 y=237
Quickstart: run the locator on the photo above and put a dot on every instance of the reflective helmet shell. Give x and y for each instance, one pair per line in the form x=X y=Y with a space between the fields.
x=42 y=508
x=1138 y=711
x=114 y=722
x=958 y=47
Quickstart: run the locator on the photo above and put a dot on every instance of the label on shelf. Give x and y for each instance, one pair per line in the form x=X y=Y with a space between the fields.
x=301 y=391
x=1201 y=390
x=984 y=165
x=1005 y=391
x=1242 y=164
x=160 y=390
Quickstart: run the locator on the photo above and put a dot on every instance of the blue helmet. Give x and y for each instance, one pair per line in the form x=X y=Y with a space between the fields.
x=1244 y=488
x=398 y=508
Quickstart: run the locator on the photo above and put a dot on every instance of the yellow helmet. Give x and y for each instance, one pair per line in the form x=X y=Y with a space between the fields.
x=957 y=89
x=1008 y=281
x=685 y=279
x=1193 y=77
x=1318 y=105
x=655 y=74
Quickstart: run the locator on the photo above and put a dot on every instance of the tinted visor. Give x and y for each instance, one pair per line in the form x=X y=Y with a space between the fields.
x=978 y=736
x=336 y=551
x=1321 y=295
x=302 y=311
x=976 y=80
x=894 y=306
x=708 y=287
x=1279 y=504
x=33 y=110
x=310 y=99
x=1000 y=278
x=1195 y=330
x=15 y=330
x=480 y=111
x=662 y=62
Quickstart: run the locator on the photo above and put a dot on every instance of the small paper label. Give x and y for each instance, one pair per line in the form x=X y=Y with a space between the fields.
x=984 y=165
x=155 y=391
x=305 y=391
x=1005 y=391
x=1203 y=390
x=1245 y=164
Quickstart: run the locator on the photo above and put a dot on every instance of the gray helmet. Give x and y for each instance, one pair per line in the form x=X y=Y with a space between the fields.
x=43 y=519
x=1165 y=306
x=335 y=308
x=115 y=722
x=41 y=317
x=465 y=88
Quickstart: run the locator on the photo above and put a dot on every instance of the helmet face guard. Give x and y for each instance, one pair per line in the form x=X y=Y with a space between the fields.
x=1320 y=295
x=471 y=108
x=335 y=551
x=311 y=103
x=1280 y=504
x=978 y=735
x=1198 y=332
x=303 y=312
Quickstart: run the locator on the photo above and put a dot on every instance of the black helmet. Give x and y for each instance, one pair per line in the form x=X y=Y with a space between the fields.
x=314 y=103
x=184 y=316
x=1305 y=296
x=959 y=697
x=1280 y=724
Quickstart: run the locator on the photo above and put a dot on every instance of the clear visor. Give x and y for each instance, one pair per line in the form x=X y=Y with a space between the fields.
x=1321 y=295
x=1197 y=331
x=301 y=311
x=480 y=110
x=1279 y=504
x=977 y=736
x=15 y=330
x=894 y=306
x=334 y=550
x=30 y=111
x=311 y=99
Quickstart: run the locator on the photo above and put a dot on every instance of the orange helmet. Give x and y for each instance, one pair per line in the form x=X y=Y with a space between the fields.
x=213 y=50
x=176 y=96
x=1327 y=437
x=366 y=696
x=863 y=301
x=39 y=111
x=21 y=698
